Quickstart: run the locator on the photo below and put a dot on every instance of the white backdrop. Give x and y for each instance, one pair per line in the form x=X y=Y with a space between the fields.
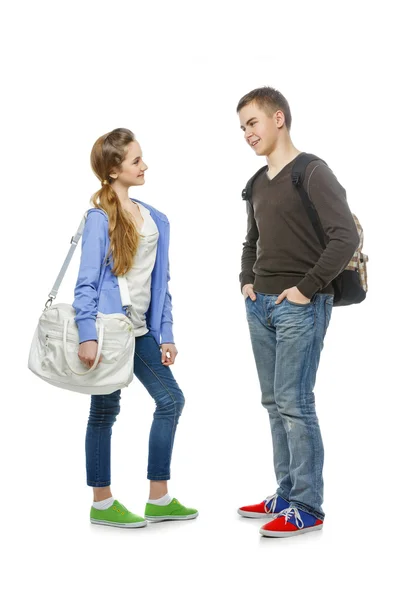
x=173 y=73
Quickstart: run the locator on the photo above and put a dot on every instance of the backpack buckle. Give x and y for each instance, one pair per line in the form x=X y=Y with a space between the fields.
x=296 y=178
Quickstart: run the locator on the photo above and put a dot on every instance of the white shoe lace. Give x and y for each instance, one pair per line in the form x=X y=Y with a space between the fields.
x=287 y=513
x=268 y=499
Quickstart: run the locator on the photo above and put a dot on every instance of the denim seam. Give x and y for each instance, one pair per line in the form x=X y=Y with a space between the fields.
x=305 y=374
x=98 y=431
x=170 y=395
x=327 y=306
x=98 y=483
x=97 y=434
x=158 y=477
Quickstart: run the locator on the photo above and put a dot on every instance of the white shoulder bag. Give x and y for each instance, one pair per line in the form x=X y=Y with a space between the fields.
x=54 y=351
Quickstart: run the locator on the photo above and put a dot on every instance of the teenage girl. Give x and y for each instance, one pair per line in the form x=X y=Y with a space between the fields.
x=127 y=237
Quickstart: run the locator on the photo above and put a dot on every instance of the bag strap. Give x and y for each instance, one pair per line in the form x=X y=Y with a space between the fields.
x=298 y=176
x=125 y=296
x=123 y=286
x=74 y=242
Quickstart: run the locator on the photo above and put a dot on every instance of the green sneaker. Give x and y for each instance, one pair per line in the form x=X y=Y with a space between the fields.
x=174 y=511
x=116 y=516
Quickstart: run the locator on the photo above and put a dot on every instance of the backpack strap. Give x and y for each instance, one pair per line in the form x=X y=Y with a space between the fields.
x=298 y=176
x=247 y=192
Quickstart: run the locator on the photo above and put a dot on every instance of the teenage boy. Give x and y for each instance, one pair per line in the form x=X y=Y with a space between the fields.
x=286 y=282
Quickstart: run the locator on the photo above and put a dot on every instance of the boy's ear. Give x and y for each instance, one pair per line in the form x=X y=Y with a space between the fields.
x=279 y=119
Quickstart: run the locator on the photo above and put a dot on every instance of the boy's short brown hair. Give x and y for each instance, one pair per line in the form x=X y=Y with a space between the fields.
x=270 y=100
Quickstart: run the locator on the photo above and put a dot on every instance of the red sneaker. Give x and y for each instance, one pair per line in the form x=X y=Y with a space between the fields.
x=291 y=521
x=271 y=506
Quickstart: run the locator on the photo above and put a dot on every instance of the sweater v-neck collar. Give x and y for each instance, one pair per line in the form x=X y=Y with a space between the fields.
x=282 y=171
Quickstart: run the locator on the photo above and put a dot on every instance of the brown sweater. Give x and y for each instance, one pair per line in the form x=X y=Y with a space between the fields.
x=282 y=249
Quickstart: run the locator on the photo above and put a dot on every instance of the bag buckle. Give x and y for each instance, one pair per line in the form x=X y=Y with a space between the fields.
x=49 y=302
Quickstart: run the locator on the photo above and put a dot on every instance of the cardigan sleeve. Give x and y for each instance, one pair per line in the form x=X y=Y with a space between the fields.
x=167 y=336
x=86 y=289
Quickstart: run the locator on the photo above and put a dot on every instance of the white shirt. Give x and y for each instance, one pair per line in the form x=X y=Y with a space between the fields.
x=139 y=276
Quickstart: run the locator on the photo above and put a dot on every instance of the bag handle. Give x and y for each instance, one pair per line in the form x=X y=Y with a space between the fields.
x=99 y=348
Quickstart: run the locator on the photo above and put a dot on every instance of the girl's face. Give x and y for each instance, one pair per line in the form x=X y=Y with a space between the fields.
x=132 y=168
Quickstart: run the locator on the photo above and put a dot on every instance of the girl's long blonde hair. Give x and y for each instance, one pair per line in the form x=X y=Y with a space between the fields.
x=107 y=154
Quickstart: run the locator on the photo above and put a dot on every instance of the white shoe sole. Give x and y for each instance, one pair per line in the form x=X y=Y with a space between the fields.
x=252 y=515
x=172 y=518
x=122 y=525
x=276 y=534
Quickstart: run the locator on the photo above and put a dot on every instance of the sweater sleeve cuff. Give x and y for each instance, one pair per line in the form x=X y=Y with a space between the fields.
x=307 y=287
x=87 y=330
x=246 y=278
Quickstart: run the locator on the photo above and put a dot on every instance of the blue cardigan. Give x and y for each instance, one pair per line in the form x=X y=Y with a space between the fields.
x=97 y=287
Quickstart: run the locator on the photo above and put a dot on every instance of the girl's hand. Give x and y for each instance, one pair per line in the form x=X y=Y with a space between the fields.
x=168 y=354
x=87 y=353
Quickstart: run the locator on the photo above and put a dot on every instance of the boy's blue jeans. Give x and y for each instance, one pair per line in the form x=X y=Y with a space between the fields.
x=287 y=341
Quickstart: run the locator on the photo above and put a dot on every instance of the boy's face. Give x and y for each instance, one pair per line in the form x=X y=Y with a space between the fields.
x=260 y=130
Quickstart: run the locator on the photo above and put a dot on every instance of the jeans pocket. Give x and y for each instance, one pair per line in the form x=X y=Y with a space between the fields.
x=251 y=301
x=297 y=303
